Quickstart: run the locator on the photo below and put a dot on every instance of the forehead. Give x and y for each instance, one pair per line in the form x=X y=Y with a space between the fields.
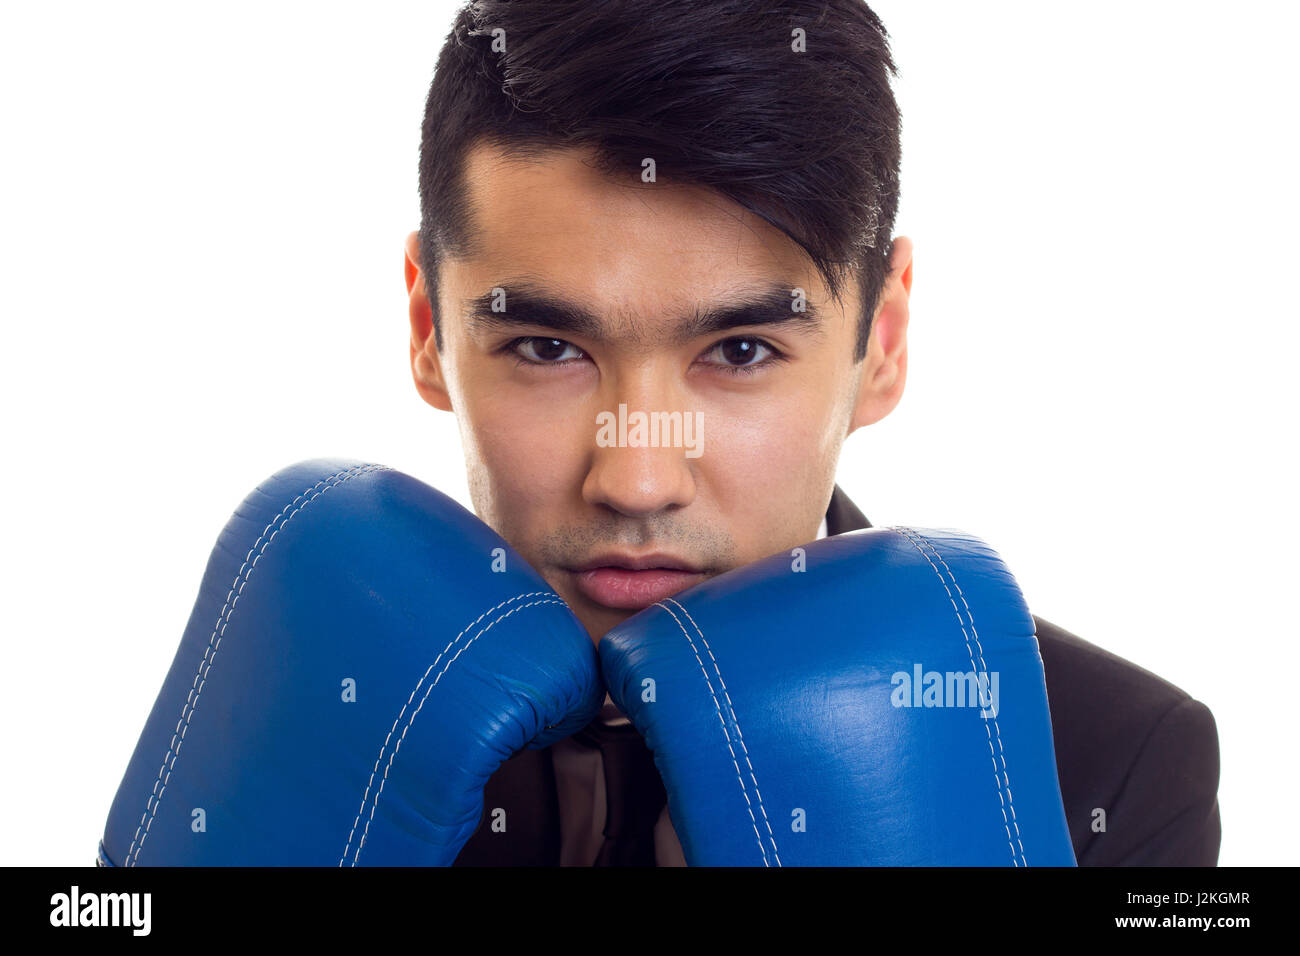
x=613 y=239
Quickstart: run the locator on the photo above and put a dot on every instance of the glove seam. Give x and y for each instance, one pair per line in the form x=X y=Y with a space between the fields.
x=1002 y=780
x=744 y=790
x=218 y=631
x=555 y=599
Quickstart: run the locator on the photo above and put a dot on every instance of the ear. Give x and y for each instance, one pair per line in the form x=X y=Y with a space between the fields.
x=426 y=362
x=884 y=368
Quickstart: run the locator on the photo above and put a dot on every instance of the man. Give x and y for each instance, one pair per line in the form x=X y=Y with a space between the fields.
x=685 y=210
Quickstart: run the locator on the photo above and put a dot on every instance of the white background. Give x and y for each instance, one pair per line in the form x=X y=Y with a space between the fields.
x=201 y=225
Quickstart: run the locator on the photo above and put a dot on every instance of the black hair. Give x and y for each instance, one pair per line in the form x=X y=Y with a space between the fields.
x=713 y=90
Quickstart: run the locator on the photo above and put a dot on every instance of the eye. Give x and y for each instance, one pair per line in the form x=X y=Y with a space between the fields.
x=538 y=350
x=743 y=355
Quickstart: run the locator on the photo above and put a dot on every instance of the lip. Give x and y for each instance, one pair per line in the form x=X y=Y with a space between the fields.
x=658 y=559
x=630 y=583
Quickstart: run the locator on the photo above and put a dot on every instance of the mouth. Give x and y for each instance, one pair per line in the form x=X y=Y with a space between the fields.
x=627 y=582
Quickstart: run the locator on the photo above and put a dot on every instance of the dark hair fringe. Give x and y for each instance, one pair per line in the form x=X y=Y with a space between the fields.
x=711 y=89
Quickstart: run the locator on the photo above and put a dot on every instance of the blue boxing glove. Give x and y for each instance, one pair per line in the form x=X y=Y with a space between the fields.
x=877 y=698
x=364 y=653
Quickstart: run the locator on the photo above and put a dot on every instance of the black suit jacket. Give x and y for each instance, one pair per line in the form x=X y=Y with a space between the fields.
x=1129 y=746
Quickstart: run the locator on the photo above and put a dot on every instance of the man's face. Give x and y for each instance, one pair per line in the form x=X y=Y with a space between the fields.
x=623 y=293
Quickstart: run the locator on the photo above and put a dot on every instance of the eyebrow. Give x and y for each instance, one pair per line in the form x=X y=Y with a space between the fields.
x=533 y=303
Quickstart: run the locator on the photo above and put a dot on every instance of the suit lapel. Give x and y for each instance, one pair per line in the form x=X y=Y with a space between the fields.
x=843 y=515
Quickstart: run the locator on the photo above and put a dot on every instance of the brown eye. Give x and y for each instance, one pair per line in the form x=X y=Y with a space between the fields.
x=544 y=351
x=741 y=352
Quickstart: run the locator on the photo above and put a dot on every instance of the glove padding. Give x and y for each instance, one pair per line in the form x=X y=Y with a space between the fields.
x=794 y=719
x=363 y=654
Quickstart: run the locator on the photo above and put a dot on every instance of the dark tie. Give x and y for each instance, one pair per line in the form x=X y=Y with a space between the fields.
x=634 y=794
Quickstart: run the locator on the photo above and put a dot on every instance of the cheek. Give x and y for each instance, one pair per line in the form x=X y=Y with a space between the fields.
x=769 y=461
x=524 y=457
x=774 y=440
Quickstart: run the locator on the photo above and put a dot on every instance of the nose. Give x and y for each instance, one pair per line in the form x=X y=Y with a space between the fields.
x=643 y=457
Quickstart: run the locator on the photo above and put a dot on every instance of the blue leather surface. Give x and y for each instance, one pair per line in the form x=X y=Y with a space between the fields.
x=334 y=570
x=775 y=695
